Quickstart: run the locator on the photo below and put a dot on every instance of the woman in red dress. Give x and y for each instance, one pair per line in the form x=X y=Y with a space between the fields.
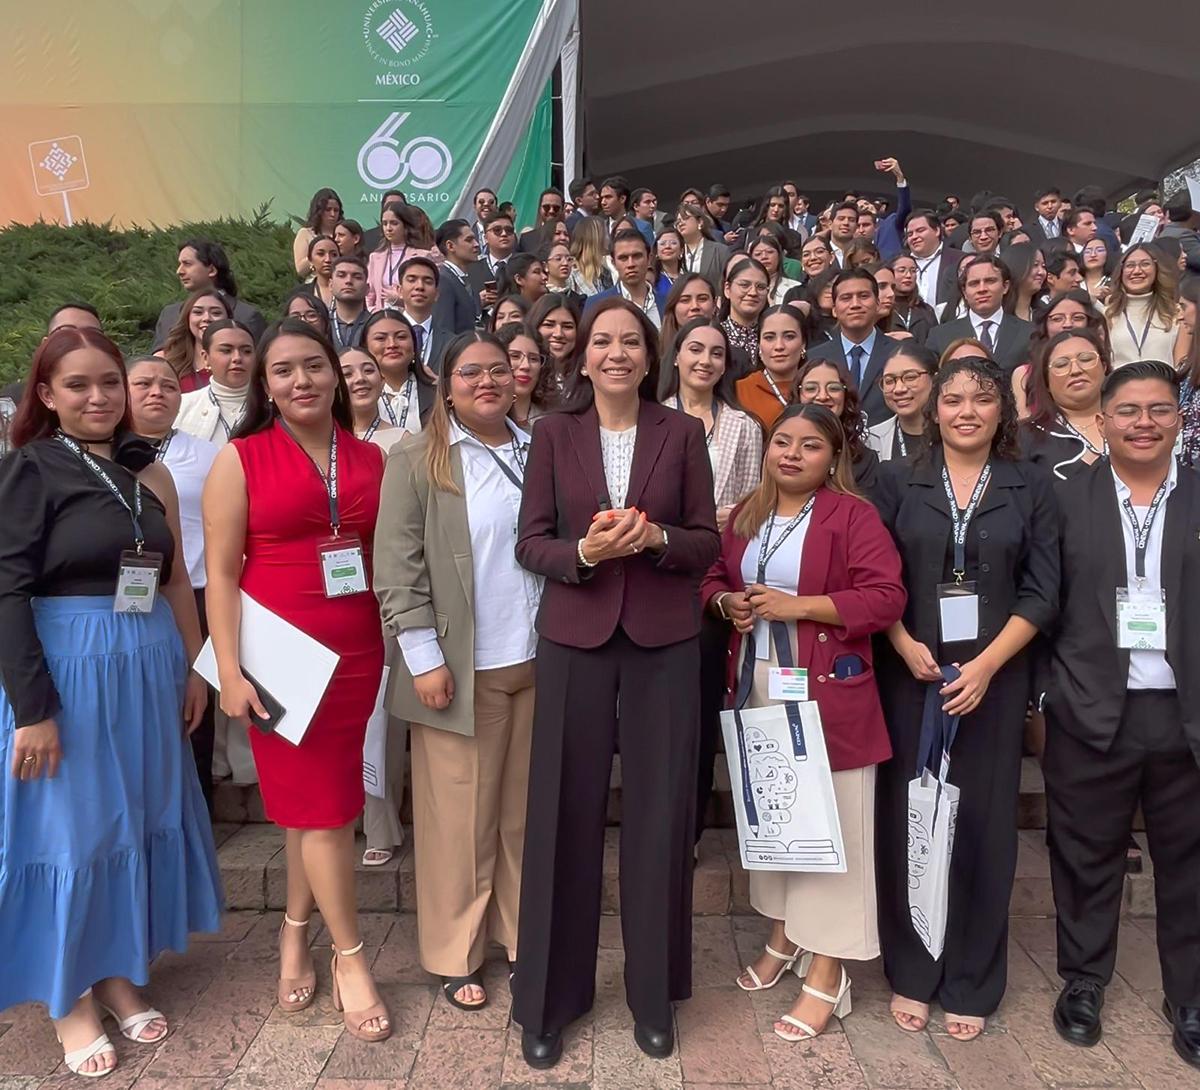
x=294 y=482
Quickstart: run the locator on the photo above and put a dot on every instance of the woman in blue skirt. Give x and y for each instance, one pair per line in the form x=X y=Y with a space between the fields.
x=106 y=854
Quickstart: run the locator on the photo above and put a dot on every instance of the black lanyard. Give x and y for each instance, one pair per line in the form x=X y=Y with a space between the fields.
x=409 y=384
x=766 y=550
x=1141 y=533
x=501 y=464
x=330 y=482
x=338 y=325
x=774 y=387
x=899 y=443
x=390 y=270
x=217 y=405
x=135 y=511
x=1139 y=344
x=372 y=429
x=716 y=415
x=164 y=444
x=963 y=521
x=1081 y=437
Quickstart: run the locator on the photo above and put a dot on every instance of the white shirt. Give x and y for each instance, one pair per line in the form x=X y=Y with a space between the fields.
x=928 y=269
x=977 y=321
x=403 y=404
x=616 y=448
x=188 y=460
x=1050 y=228
x=783 y=570
x=1147 y=669
x=692 y=258
x=649 y=306
x=506 y=596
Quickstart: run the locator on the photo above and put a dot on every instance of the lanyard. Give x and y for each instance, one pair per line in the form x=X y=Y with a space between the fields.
x=338 y=325
x=164 y=444
x=331 y=482
x=1141 y=533
x=899 y=442
x=135 y=511
x=372 y=429
x=217 y=405
x=775 y=388
x=390 y=270
x=766 y=550
x=399 y=422
x=1081 y=437
x=1139 y=344
x=961 y=523
x=501 y=464
x=693 y=257
x=716 y=415
x=923 y=269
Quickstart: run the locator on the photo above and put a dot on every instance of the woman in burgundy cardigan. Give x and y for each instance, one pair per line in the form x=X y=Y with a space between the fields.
x=829 y=569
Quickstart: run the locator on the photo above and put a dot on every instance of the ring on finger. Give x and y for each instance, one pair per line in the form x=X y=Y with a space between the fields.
x=30 y=760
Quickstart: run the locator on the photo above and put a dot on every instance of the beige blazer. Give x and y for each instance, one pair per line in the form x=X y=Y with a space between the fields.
x=424 y=579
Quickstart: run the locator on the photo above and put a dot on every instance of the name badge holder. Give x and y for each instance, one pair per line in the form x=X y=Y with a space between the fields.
x=1141 y=611
x=958 y=602
x=765 y=551
x=139 y=571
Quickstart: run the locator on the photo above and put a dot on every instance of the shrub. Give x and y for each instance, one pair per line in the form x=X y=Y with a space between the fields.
x=127 y=275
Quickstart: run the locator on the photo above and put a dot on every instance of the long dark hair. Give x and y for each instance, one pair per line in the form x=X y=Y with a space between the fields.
x=393 y=315
x=669 y=328
x=405 y=214
x=987 y=373
x=316 y=208
x=1189 y=369
x=179 y=349
x=318 y=307
x=579 y=395
x=1042 y=408
x=668 y=378
x=543 y=395
x=736 y=270
x=853 y=422
x=35 y=420
x=261 y=413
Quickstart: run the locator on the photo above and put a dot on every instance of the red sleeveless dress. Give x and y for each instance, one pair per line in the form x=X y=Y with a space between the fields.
x=317 y=784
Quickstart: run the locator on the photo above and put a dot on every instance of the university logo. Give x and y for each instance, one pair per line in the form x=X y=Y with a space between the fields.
x=423 y=162
x=398 y=33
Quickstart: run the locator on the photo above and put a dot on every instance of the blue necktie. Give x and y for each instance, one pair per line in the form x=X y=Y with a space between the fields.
x=856 y=362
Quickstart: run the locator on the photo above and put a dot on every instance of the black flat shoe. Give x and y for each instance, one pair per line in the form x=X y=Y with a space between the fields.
x=659 y=1043
x=1186 y=1038
x=1077 y=1013
x=541 y=1050
x=452 y=984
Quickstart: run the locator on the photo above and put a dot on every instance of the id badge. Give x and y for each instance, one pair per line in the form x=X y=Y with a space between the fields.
x=958 y=611
x=343 y=569
x=137 y=582
x=1141 y=619
x=787 y=683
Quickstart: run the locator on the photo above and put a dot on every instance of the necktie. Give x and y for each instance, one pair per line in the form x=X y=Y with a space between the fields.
x=856 y=361
x=985 y=335
x=419 y=342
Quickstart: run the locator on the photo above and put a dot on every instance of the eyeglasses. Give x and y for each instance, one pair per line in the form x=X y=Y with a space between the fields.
x=473 y=373
x=1141 y=266
x=813 y=389
x=904 y=378
x=501 y=231
x=750 y=287
x=1162 y=413
x=534 y=359
x=1060 y=365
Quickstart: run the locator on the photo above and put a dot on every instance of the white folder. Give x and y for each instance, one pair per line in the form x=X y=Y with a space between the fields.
x=293 y=667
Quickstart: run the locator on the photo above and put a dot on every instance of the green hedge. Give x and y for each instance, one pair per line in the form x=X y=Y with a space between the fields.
x=127 y=275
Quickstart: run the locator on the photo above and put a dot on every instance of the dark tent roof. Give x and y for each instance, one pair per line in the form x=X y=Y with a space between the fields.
x=967 y=98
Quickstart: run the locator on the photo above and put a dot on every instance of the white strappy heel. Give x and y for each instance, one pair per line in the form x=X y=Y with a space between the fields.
x=789 y=960
x=132 y=1026
x=841 y=1007
x=78 y=1057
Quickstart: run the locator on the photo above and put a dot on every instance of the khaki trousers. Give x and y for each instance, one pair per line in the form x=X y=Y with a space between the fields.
x=469 y=798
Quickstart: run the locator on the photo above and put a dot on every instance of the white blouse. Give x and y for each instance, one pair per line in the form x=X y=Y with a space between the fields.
x=616 y=448
x=783 y=570
x=188 y=460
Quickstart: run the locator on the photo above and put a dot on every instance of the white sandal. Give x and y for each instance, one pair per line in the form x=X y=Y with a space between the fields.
x=841 y=1008
x=131 y=1027
x=75 y=1060
x=788 y=961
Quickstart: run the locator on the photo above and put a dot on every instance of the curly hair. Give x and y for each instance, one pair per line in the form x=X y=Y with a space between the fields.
x=988 y=375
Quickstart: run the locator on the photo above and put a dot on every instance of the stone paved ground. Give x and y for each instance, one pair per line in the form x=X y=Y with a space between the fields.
x=228 y=1033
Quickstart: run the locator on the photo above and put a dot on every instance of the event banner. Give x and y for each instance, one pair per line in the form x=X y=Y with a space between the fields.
x=163 y=111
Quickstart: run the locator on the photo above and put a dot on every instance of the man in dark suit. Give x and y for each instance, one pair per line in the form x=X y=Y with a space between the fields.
x=586 y=198
x=937 y=263
x=802 y=220
x=1123 y=705
x=1045 y=226
x=501 y=240
x=419 y=278
x=457 y=307
x=984 y=281
x=858 y=345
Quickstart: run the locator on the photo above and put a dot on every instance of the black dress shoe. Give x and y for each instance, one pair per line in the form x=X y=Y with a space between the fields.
x=541 y=1049
x=1186 y=1038
x=1077 y=1012
x=659 y=1043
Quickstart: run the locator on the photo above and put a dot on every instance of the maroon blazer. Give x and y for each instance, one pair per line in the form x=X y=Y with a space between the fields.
x=849 y=556
x=653 y=598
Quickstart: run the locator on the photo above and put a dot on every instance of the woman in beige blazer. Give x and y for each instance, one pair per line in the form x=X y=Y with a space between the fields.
x=462 y=608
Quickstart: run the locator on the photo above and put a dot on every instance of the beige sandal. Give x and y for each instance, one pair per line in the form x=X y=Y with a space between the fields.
x=295 y=985
x=974 y=1026
x=356 y=1020
x=914 y=1009
x=763 y=985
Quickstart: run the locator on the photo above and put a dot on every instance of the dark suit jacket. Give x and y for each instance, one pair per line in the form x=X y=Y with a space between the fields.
x=713 y=259
x=440 y=337
x=870 y=396
x=654 y=599
x=456 y=308
x=1088 y=672
x=1012 y=543
x=947 y=282
x=849 y=556
x=660 y=296
x=1012 y=339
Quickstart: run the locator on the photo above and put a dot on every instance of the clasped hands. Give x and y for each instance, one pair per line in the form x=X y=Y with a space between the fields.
x=619 y=533
x=758 y=602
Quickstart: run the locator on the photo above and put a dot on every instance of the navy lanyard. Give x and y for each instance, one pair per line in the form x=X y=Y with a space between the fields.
x=135 y=511
x=372 y=429
x=766 y=550
x=408 y=399
x=217 y=405
x=164 y=444
x=330 y=482
x=1141 y=533
x=502 y=465
x=774 y=388
x=716 y=415
x=961 y=523
x=1139 y=345
x=390 y=270
x=899 y=442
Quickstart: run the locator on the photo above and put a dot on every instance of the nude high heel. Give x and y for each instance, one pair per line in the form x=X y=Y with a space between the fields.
x=356 y=1020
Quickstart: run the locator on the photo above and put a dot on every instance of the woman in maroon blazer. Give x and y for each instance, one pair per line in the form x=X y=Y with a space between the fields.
x=618 y=514
x=805 y=549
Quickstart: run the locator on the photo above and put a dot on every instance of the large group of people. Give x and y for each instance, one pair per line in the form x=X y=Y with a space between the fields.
x=552 y=494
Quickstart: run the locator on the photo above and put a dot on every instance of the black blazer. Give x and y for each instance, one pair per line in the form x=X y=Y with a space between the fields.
x=1088 y=672
x=870 y=396
x=947 y=282
x=457 y=306
x=1012 y=339
x=1012 y=543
